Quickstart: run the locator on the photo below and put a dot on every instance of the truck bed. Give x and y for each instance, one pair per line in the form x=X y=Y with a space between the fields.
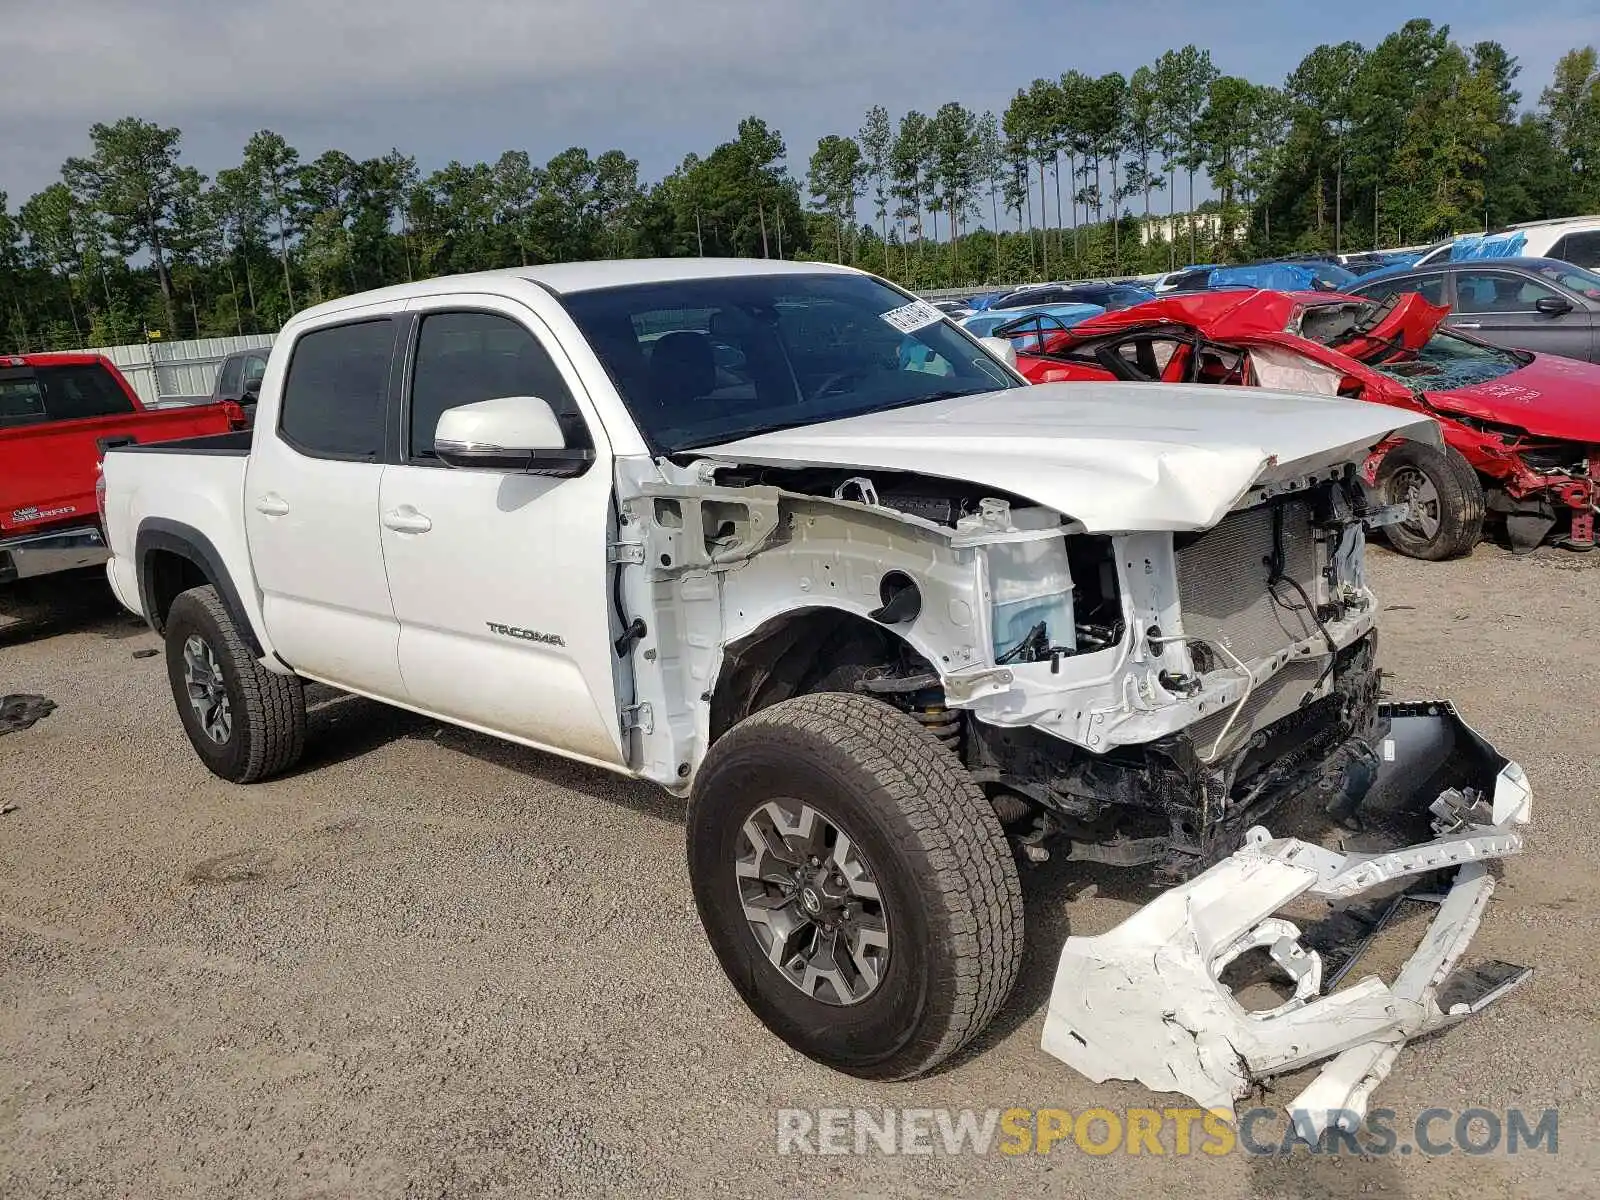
x=47 y=471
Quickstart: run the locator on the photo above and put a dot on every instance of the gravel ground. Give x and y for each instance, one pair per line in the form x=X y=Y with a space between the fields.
x=433 y=965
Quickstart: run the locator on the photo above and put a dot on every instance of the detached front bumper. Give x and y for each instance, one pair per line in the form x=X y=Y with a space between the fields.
x=1146 y=1001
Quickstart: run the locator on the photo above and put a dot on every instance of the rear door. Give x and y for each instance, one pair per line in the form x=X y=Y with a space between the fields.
x=1500 y=306
x=499 y=578
x=311 y=507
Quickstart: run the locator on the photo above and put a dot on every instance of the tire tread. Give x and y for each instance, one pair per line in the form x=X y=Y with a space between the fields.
x=275 y=718
x=1462 y=504
x=949 y=832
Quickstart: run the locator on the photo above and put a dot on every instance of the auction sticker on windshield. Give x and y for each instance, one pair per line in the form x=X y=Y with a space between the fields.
x=909 y=318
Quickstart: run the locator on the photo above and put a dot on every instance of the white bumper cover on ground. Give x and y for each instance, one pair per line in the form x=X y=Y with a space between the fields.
x=1146 y=1001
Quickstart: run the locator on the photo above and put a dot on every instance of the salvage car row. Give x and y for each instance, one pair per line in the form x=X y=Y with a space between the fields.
x=894 y=621
x=1522 y=426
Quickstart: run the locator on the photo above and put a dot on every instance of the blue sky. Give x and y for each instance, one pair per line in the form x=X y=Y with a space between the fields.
x=466 y=79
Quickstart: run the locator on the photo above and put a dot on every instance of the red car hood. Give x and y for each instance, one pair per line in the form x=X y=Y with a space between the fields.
x=1550 y=397
x=1230 y=316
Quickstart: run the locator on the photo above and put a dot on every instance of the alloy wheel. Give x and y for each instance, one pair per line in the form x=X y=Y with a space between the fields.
x=208 y=694
x=811 y=902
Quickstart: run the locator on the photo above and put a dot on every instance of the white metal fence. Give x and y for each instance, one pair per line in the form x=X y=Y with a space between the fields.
x=161 y=372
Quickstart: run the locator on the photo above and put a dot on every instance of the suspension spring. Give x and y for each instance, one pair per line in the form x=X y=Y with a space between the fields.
x=944 y=723
x=922 y=697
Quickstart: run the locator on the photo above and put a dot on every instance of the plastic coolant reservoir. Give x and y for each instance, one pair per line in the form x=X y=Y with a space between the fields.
x=1030 y=582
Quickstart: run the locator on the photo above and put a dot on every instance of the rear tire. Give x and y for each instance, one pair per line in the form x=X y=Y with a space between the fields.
x=941 y=942
x=245 y=722
x=1446 y=497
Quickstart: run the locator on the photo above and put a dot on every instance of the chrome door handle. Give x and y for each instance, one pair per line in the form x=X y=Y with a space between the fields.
x=406 y=520
x=271 y=505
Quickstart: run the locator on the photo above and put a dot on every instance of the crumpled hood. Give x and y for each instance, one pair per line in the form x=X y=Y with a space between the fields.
x=1551 y=397
x=1117 y=457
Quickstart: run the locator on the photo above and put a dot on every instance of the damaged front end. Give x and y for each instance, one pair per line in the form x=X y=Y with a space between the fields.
x=1148 y=1001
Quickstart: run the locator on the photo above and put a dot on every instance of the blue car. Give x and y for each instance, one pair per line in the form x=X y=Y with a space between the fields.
x=1055 y=316
x=1275 y=277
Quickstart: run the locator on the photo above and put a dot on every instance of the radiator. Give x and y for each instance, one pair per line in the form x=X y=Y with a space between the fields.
x=1269 y=703
x=1222 y=582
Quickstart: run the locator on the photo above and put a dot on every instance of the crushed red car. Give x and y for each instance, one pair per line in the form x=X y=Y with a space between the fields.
x=1522 y=429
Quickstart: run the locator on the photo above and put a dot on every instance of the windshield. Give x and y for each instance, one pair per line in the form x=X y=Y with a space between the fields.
x=1574 y=279
x=1448 y=362
x=704 y=361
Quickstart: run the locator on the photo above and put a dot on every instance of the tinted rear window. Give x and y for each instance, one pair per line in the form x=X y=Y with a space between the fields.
x=335 y=399
x=65 y=393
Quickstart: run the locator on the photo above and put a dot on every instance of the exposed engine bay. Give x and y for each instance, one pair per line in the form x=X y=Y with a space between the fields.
x=1150 y=695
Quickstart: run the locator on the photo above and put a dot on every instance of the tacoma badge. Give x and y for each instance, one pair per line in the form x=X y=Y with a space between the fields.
x=527 y=635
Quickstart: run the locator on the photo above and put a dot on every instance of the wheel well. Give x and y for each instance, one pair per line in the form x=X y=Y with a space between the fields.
x=814 y=650
x=167 y=575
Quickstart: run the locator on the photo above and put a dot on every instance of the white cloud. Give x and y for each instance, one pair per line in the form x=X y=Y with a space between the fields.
x=182 y=55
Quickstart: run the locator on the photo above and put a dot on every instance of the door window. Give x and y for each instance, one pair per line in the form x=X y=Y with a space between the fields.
x=1429 y=287
x=466 y=357
x=335 y=399
x=21 y=398
x=1494 y=292
x=254 y=369
x=1580 y=249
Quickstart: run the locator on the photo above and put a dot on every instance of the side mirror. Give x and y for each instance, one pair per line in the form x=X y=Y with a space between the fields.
x=511 y=433
x=251 y=393
x=1552 y=306
x=1001 y=348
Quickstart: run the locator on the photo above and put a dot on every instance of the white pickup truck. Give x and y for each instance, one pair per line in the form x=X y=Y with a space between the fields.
x=783 y=540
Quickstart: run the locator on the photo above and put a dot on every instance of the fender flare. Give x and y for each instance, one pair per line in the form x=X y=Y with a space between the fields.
x=159 y=533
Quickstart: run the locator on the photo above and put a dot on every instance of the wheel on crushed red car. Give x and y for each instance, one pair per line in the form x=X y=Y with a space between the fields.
x=245 y=722
x=1444 y=496
x=854 y=883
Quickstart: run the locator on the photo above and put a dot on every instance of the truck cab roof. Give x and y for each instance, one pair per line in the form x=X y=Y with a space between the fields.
x=565 y=279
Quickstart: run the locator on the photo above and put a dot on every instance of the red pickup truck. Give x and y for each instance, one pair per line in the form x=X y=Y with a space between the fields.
x=58 y=415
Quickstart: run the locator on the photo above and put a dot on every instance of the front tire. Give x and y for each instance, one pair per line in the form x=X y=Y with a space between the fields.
x=855 y=884
x=245 y=722
x=1446 y=499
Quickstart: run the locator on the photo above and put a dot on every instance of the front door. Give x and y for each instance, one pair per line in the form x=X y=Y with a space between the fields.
x=499 y=578
x=311 y=510
x=1499 y=306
